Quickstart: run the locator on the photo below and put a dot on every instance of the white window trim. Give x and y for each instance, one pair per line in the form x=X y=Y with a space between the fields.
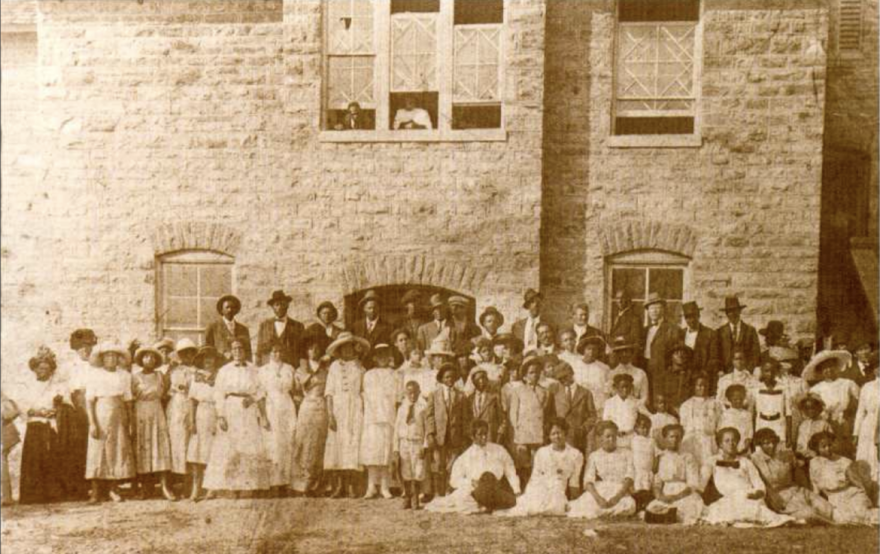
x=186 y=257
x=649 y=259
x=693 y=140
x=382 y=80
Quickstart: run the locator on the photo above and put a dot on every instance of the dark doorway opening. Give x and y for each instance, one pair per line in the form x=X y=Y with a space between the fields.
x=390 y=307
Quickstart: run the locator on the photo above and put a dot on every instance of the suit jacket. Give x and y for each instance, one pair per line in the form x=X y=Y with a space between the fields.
x=707 y=357
x=580 y=413
x=218 y=336
x=291 y=338
x=363 y=121
x=667 y=336
x=461 y=339
x=748 y=340
x=518 y=329
x=854 y=374
x=448 y=424
x=524 y=421
x=589 y=332
x=429 y=331
x=381 y=331
x=491 y=412
x=318 y=330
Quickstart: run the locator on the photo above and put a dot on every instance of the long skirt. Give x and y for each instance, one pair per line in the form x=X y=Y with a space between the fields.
x=177 y=412
x=153 y=445
x=309 y=443
x=376 y=444
x=689 y=509
x=852 y=506
x=279 y=439
x=801 y=503
x=490 y=493
x=40 y=465
x=741 y=511
x=343 y=445
x=543 y=497
x=110 y=455
x=198 y=450
x=586 y=507
x=239 y=460
x=73 y=445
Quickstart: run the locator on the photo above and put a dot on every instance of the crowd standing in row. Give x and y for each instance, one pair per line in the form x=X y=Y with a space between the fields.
x=684 y=424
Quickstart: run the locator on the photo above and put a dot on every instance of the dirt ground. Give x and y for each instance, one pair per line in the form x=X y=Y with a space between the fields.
x=379 y=526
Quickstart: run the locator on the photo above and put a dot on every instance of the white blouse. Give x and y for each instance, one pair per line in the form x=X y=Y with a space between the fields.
x=478 y=460
x=101 y=383
x=614 y=466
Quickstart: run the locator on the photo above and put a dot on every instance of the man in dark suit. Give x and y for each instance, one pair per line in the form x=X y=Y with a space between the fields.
x=446 y=423
x=354 y=119
x=220 y=334
x=283 y=330
x=575 y=405
x=437 y=326
x=485 y=405
x=628 y=323
x=860 y=370
x=737 y=333
x=463 y=328
x=660 y=337
x=526 y=329
x=370 y=325
x=703 y=341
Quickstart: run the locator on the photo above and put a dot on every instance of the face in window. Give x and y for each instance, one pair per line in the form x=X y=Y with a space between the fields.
x=354 y=108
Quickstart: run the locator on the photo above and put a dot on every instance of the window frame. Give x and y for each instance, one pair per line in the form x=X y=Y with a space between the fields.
x=645 y=259
x=689 y=140
x=382 y=83
x=192 y=257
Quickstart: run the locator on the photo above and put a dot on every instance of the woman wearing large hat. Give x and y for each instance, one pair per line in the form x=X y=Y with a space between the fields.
x=841 y=396
x=109 y=398
x=221 y=333
x=311 y=426
x=345 y=409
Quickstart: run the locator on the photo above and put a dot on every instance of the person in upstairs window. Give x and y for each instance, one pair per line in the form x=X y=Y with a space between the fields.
x=411 y=117
x=353 y=119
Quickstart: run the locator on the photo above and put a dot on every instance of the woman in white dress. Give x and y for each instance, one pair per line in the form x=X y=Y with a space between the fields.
x=203 y=415
x=839 y=395
x=346 y=411
x=180 y=378
x=151 y=441
x=699 y=418
x=677 y=482
x=555 y=477
x=834 y=476
x=865 y=430
x=608 y=479
x=278 y=383
x=381 y=393
x=239 y=461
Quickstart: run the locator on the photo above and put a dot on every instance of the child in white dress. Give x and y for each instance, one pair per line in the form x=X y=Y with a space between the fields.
x=643 y=453
x=623 y=409
x=380 y=404
x=832 y=475
x=812 y=423
x=738 y=482
x=699 y=418
x=738 y=416
x=608 y=479
x=771 y=411
x=555 y=477
x=677 y=482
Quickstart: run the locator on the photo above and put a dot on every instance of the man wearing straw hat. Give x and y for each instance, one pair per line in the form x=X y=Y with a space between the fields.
x=736 y=333
x=660 y=337
x=281 y=329
x=220 y=334
x=370 y=325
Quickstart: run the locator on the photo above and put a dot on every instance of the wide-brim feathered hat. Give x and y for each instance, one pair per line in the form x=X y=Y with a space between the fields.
x=98 y=353
x=362 y=346
x=841 y=357
x=44 y=354
x=143 y=351
x=492 y=310
x=596 y=340
x=205 y=352
x=236 y=304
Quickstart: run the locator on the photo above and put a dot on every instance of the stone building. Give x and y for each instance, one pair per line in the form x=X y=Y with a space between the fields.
x=157 y=154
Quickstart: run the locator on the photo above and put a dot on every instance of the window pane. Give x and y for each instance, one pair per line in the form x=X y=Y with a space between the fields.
x=476 y=117
x=180 y=280
x=631 y=280
x=476 y=63
x=208 y=311
x=350 y=26
x=216 y=280
x=483 y=11
x=652 y=10
x=413 y=52
x=350 y=80
x=181 y=312
x=415 y=6
x=668 y=283
x=653 y=125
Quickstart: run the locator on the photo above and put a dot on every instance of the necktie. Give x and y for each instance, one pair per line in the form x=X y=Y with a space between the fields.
x=411 y=414
x=570 y=394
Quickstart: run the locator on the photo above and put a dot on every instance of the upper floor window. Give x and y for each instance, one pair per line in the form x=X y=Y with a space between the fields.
x=656 y=71
x=413 y=64
x=189 y=284
x=849 y=26
x=643 y=272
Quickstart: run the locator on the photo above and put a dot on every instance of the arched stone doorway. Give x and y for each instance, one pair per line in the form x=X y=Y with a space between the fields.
x=390 y=307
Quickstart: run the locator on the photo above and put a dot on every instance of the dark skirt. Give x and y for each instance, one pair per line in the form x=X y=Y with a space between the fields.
x=493 y=493
x=73 y=441
x=40 y=466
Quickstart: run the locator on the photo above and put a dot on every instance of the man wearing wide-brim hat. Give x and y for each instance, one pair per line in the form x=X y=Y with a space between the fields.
x=282 y=330
x=221 y=333
x=704 y=343
x=447 y=419
x=526 y=329
x=660 y=336
x=737 y=333
x=439 y=324
x=370 y=324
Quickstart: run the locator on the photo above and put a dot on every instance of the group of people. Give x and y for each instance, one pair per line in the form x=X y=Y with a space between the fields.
x=679 y=424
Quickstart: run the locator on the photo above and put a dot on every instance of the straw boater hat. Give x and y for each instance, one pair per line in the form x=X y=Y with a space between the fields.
x=457 y=301
x=327 y=304
x=841 y=357
x=166 y=342
x=361 y=345
x=205 y=352
x=436 y=301
x=654 y=298
x=492 y=310
x=186 y=344
x=144 y=350
x=529 y=296
x=592 y=339
x=236 y=304
x=440 y=347
x=531 y=360
x=279 y=296
x=731 y=304
x=97 y=354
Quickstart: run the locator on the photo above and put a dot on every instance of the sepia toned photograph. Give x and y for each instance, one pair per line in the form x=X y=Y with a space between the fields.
x=439 y=276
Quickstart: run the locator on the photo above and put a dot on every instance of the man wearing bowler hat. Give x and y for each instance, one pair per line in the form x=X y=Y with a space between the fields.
x=703 y=341
x=221 y=334
x=737 y=333
x=439 y=324
x=370 y=324
x=526 y=329
x=660 y=337
x=281 y=329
